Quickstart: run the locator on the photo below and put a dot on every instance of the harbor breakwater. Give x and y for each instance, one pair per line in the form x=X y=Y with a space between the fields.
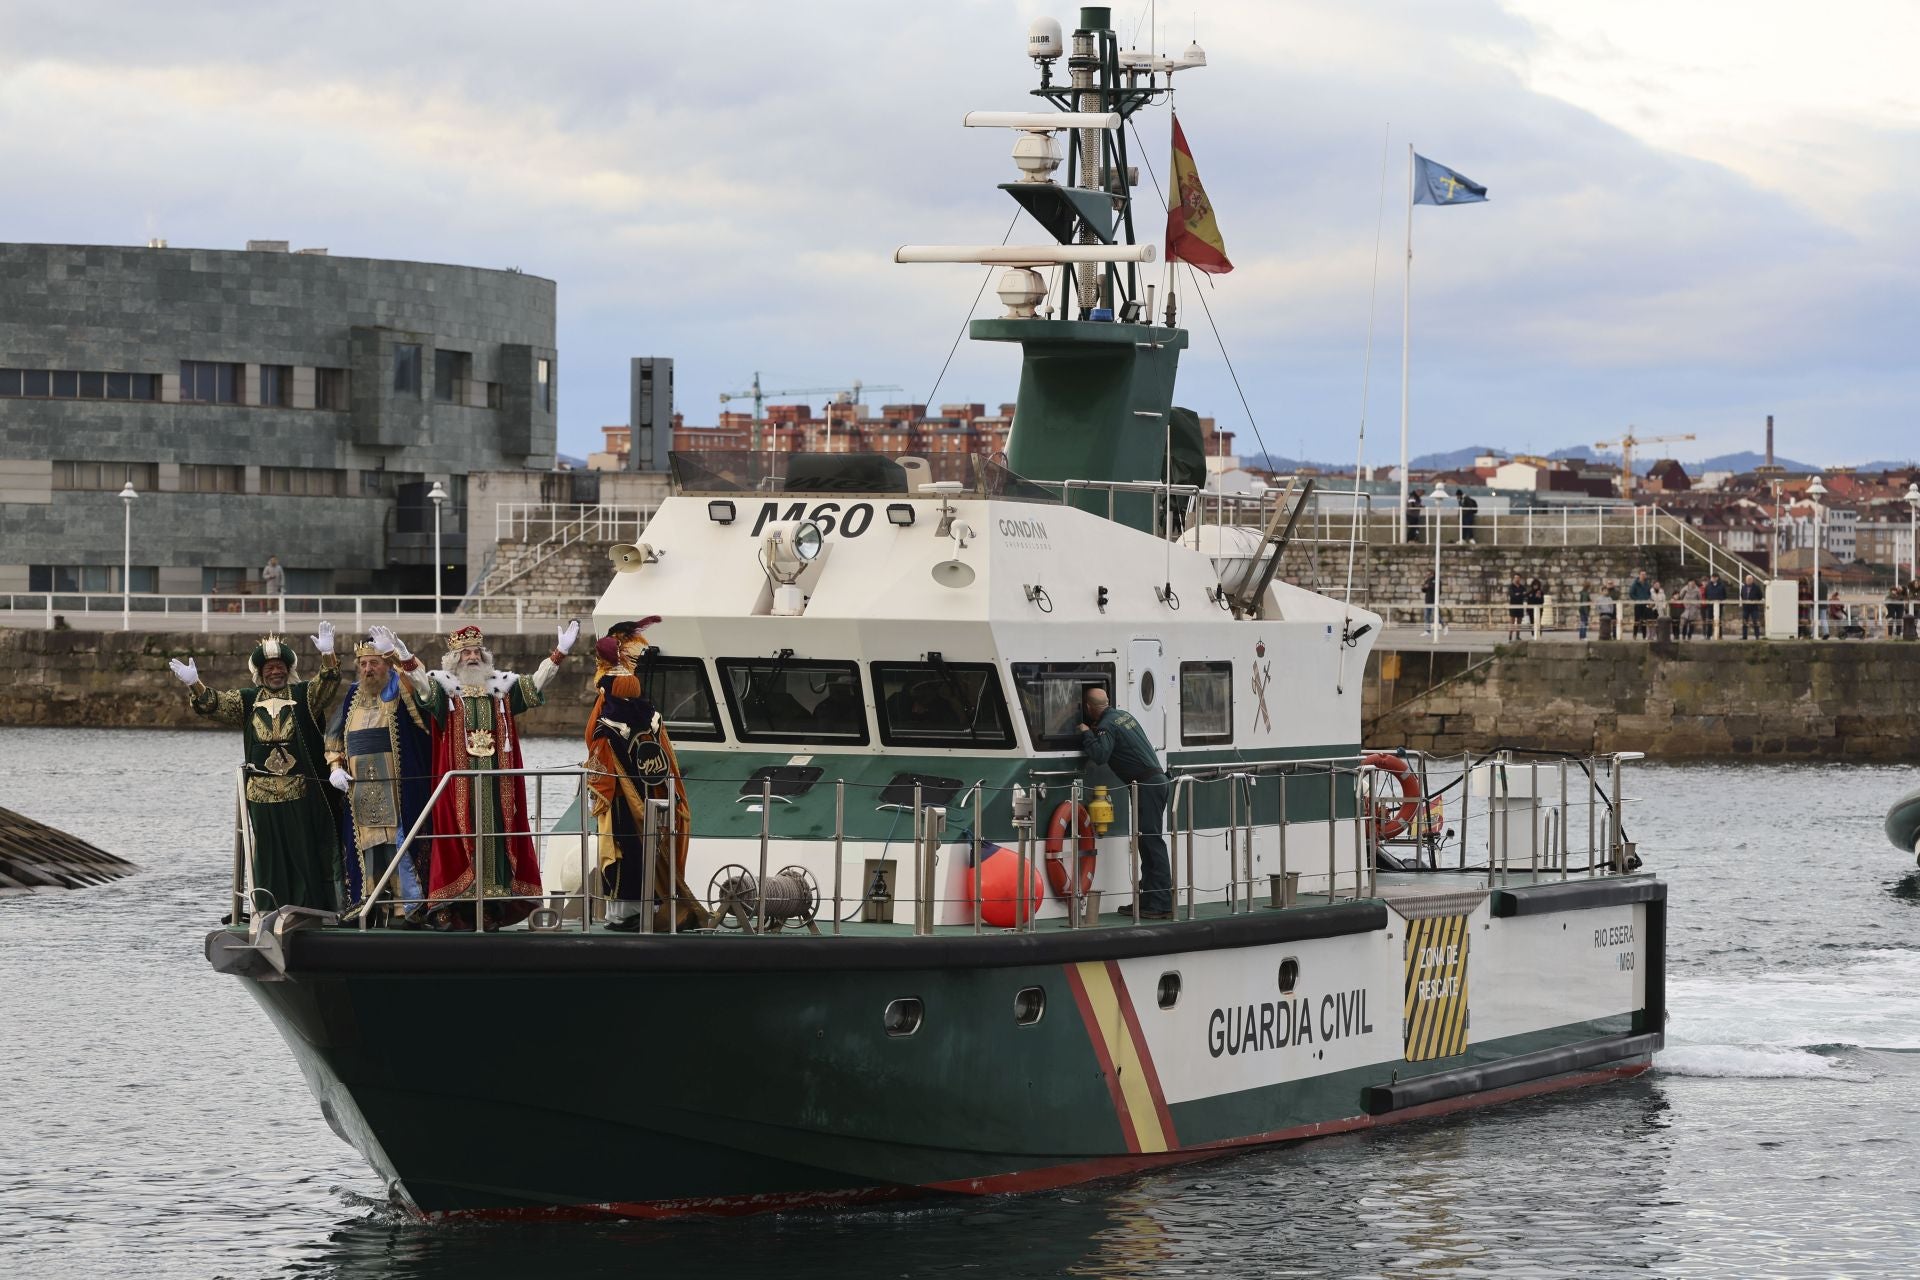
x=1789 y=700
x=1778 y=700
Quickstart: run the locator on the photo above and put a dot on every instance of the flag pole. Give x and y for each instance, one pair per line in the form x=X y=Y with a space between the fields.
x=1406 y=329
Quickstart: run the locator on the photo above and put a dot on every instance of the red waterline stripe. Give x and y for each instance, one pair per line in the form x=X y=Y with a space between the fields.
x=1103 y=1055
x=1110 y=1166
x=1140 y=1051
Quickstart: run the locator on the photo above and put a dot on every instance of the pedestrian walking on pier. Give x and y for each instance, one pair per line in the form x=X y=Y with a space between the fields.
x=1427 y=590
x=1586 y=607
x=1516 y=607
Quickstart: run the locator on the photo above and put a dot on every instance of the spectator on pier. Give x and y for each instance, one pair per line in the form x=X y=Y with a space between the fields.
x=1536 y=602
x=1657 y=608
x=1716 y=596
x=1689 y=599
x=1586 y=606
x=1413 y=515
x=1427 y=591
x=273 y=579
x=1640 y=591
x=1516 y=607
x=1607 y=610
x=1469 y=514
x=1111 y=737
x=1750 y=596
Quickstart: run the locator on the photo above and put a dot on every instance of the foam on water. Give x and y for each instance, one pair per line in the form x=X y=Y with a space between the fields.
x=1753 y=1062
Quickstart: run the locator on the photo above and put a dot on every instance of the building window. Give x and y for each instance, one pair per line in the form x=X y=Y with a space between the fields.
x=330 y=388
x=105 y=476
x=300 y=482
x=36 y=382
x=406 y=368
x=66 y=385
x=1206 y=702
x=93 y=386
x=83 y=385
x=204 y=382
x=204 y=478
x=276 y=385
x=493 y=395
x=450 y=370
x=225 y=580
x=145 y=578
x=543 y=384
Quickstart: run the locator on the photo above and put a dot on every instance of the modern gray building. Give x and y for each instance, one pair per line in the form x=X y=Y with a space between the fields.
x=261 y=402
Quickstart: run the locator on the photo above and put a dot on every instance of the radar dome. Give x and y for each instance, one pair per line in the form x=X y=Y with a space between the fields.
x=1043 y=40
x=1195 y=56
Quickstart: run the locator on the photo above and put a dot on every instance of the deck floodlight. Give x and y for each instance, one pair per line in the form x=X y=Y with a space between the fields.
x=720 y=511
x=900 y=513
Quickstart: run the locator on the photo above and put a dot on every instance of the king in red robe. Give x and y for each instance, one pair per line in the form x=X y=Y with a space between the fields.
x=481 y=825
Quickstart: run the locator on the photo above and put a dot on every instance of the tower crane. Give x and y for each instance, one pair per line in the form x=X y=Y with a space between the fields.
x=1626 y=445
x=846 y=393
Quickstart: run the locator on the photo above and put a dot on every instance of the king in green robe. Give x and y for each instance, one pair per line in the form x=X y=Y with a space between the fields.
x=296 y=844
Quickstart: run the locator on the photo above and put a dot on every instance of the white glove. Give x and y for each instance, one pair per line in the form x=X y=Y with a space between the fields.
x=188 y=674
x=382 y=638
x=568 y=634
x=323 y=642
x=339 y=778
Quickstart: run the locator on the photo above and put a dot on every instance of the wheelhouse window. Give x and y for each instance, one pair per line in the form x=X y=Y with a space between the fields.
x=679 y=690
x=1050 y=697
x=788 y=700
x=941 y=704
x=1206 y=702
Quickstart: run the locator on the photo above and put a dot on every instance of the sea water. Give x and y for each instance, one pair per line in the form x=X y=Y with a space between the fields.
x=152 y=1124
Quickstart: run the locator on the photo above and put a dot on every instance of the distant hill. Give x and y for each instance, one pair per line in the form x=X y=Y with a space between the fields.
x=1745 y=461
x=1452 y=460
x=1908 y=465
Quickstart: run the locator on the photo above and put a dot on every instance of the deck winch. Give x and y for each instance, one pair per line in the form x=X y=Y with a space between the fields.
x=791 y=897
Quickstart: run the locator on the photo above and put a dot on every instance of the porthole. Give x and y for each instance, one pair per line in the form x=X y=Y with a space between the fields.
x=1029 y=1006
x=1146 y=688
x=1169 y=992
x=903 y=1016
x=1289 y=973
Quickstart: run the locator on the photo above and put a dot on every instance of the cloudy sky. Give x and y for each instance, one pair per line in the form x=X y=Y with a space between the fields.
x=1701 y=213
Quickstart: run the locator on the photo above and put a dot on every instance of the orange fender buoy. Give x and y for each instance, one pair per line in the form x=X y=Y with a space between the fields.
x=1392 y=816
x=1058 y=831
x=1008 y=888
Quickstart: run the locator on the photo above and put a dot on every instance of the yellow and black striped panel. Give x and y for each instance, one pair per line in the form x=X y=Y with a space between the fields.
x=1435 y=1012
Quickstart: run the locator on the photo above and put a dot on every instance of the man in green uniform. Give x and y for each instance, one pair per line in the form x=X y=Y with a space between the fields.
x=296 y=848
x=1113 y=738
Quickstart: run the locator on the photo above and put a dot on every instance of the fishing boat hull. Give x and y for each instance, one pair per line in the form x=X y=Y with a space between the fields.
x=1903 y=823
x=648 y=1076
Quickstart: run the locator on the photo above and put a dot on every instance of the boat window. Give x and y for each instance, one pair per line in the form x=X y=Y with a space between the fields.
x=941 y=704
x=1167 y=994
x=1029 y=1006
x=1289 y=973
x=794 y=700
x=903 y=1016
x=1206 y=702
x=1050 y=696
x=679 y=690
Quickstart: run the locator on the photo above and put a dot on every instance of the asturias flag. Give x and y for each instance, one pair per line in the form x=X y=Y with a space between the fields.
x=1437 y=184
x=1192 y=234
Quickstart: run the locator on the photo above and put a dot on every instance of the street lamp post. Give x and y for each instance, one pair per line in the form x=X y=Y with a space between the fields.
x=439 y=496
x=127 y=495
x=1817 y=491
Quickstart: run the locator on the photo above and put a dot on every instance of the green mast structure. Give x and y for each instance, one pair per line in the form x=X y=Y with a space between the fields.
x=1096 y=379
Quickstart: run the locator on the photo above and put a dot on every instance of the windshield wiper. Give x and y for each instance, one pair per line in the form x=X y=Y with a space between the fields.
x=970 y=703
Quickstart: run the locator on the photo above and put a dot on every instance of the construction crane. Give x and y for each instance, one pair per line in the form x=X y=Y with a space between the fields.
x=845 y=394
x=1626 y=445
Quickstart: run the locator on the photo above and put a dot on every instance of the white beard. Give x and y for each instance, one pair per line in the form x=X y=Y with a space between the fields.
x=455 y=675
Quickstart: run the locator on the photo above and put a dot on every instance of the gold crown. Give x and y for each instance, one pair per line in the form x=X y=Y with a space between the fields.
x=467 y=637
x=365 y=649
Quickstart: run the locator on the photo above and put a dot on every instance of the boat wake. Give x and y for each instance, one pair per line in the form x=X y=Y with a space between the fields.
x=1828 y=1024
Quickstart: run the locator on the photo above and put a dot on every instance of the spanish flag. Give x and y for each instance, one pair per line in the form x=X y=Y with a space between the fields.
x=1192 y=234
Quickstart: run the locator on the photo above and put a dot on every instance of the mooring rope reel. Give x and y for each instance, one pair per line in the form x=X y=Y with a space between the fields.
x=792 y=897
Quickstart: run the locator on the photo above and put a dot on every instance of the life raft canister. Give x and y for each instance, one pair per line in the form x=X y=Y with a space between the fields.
x=1058 y=831
x=1391 y=817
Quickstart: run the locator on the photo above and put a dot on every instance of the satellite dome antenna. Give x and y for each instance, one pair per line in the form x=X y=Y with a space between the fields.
x=1044 y=44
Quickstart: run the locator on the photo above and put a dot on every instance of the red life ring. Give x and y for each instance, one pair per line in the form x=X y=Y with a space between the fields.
x=1391 y=817
x=1057 y=832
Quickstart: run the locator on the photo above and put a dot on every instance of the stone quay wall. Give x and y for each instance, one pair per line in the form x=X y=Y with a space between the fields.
x=1788 y=700
x=121 y=679
x=1478 y=574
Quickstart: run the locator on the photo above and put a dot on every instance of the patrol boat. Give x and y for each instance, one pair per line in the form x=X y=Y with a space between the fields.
x=916 y=980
